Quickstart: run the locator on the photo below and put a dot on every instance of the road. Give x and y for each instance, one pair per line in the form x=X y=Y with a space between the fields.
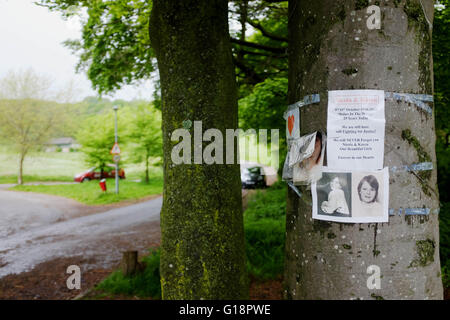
x=20 y=211
x=35 y=228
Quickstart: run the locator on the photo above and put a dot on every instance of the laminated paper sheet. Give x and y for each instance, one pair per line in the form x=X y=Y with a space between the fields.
x=308 y=158
x=355 y=128
x=351 y=196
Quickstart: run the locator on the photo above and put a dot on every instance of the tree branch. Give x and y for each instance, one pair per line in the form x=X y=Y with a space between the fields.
x=265 y=32
x=281 y=56
x=281 y=50
x=253 y=77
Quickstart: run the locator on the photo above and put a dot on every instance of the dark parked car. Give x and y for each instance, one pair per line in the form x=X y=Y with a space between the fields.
x=253 y=178
x=94 y=173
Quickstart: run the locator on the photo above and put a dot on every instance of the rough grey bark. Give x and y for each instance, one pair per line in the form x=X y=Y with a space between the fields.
x=20 y=175
x=332 y=49
x=202 y=245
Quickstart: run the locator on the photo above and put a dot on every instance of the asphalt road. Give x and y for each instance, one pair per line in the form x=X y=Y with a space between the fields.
x=35 y=228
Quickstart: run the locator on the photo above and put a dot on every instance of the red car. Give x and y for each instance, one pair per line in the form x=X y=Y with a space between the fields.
x=94 y=173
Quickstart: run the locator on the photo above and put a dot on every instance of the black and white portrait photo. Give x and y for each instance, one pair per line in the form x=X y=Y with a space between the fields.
x=334 y=194
x=352 y=197
x=368 y=194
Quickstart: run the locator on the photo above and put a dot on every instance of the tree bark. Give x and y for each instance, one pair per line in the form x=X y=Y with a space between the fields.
x=329 y=260
x=147 y=178
x=202 y=236
x=20 y=177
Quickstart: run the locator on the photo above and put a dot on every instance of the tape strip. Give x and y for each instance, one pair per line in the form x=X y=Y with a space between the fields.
x=417 y=99
x=424 y=166
x=413 y=211
x=293 y=187
x=313 y=98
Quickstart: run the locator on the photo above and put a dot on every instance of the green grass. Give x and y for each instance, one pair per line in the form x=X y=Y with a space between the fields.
x=264 y=223
x=145 y=284
x=91 y=194
x=12 y=179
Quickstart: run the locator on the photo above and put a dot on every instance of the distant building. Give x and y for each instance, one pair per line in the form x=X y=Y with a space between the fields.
x=64 y=144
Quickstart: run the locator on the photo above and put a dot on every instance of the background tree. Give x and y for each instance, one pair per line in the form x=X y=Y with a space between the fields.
x=329 y=260
x=143 y=132
x=114 y=48
x=27 y=120
x=260 y=43
x=96 y=136
x=202 y=247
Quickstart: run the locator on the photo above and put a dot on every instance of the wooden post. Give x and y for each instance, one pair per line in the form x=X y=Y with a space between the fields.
x=130 y=264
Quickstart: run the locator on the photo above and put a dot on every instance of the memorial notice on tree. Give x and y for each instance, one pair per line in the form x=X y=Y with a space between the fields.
x=356 y=123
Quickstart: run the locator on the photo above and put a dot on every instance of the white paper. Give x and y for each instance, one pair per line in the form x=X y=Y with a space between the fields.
x=351 y=197
x=310 y=168
x=301 y=148
x=293 y=124
x=356 y=124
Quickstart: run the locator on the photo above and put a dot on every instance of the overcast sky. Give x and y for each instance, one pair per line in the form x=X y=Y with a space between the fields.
x=32 y=36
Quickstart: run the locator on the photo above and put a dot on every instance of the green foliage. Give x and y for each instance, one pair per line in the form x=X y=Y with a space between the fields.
x=144 y=134
x=96 y=137
x=115 y=47
x=144 y=284
x=441 y=60
x=264 y=107
x=263 y=54
x=264 y=224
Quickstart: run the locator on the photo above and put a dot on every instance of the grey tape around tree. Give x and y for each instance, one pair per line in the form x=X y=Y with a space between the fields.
x=313 y=98
x=418 y=99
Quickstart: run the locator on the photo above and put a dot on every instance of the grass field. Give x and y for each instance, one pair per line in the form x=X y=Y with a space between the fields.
x=56 y=166
x=90 y=192
x=41 y=166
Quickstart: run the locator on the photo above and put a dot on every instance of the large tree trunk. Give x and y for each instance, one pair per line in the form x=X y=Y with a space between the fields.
x=332 y=49
x=202 y=245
